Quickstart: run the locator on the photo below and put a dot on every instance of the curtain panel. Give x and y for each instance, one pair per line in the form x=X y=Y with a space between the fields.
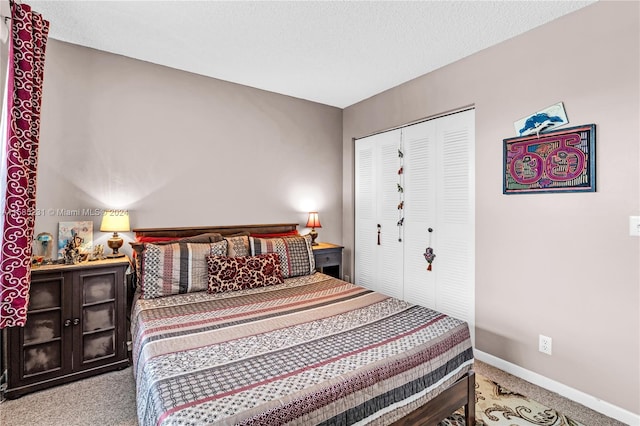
x=20 y=139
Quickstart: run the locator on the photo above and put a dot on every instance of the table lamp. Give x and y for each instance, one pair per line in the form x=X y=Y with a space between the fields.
x=115 y=221
x=313 y=222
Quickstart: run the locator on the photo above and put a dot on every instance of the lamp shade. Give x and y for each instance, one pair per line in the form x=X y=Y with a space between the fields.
x=313 y=221
x=115 y=221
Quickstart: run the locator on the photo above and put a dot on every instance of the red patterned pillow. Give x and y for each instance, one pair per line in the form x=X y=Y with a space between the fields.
x=239 y=273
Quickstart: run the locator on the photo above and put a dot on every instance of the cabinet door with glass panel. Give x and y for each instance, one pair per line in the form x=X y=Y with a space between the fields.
x=100 y=333
x=38 y=352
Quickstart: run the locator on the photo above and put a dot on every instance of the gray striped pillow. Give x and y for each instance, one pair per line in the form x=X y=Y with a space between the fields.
x=296 y=254
x=176 y=268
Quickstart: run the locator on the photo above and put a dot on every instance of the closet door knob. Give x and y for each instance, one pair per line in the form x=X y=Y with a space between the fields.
x=67 y=322
x=76 y=321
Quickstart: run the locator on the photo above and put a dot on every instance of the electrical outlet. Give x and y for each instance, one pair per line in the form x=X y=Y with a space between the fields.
x=544 y=344
x=346 y=278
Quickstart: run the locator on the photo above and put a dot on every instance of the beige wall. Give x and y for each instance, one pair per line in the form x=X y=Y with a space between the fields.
x=179 y=149
x=562 y=265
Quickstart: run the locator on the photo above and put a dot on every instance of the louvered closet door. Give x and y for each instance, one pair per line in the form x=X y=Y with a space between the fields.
x=439 y=194
x=365 y=214
x=455 y=293
x=378 y=266
x=420 y=174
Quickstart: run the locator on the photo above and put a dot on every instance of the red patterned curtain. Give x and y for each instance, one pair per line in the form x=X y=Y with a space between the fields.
x=19 y=138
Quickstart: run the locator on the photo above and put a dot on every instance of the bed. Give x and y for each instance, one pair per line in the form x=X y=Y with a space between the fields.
x=311 y=349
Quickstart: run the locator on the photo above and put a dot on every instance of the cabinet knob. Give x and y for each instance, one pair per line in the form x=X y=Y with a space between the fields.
x=76 y=321
x=67 y=322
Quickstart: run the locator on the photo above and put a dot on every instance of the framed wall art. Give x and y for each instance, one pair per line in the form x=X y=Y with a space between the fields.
x=542 y=121
x=558 y=161
x=82 y=230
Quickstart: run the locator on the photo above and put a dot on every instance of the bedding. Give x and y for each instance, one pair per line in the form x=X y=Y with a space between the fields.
x=313 y=350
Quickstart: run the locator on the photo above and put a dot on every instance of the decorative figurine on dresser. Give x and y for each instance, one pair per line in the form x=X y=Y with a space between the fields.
x=72 y=253
x=76 y=326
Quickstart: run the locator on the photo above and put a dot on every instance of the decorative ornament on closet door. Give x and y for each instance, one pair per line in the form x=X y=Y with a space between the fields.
x=400 y=188
x=429 y=255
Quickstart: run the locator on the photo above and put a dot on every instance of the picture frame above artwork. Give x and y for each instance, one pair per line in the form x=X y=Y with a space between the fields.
x=559 y=161
x=542 y=121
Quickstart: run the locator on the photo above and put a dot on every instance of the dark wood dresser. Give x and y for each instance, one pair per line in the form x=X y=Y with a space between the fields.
x=76 y=326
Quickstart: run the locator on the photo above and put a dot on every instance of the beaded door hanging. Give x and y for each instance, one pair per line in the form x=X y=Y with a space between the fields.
x=400 y=188
x=429 y=255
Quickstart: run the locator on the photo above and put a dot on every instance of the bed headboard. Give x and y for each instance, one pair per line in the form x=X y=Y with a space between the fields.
x=224 y=230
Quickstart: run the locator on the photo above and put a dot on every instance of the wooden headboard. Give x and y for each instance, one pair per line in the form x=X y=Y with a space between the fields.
x=224 y=230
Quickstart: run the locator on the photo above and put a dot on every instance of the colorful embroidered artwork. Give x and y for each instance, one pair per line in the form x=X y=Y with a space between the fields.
x=559 y=161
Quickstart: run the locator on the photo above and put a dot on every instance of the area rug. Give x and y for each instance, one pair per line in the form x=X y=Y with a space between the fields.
x=498 y=406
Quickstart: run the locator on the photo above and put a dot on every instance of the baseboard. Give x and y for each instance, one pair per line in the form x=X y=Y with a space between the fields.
x=587 y=400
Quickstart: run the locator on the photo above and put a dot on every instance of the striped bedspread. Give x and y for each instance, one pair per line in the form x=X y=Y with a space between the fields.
x=314 y=350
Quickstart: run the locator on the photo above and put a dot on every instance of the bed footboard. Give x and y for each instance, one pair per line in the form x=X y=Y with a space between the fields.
x=460 y=393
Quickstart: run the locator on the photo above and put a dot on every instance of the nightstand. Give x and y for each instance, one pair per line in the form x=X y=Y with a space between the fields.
x=328 y=259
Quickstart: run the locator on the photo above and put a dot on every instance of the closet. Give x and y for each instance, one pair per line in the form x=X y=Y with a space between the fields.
x=409 y=180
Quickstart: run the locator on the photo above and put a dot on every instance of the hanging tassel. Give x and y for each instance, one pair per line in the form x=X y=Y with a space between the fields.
x=429 y=255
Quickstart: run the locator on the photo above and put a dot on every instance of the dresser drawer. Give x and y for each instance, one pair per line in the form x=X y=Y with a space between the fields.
x=328 y=258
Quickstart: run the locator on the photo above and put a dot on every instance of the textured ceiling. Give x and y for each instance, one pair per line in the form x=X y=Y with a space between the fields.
x=335 y=53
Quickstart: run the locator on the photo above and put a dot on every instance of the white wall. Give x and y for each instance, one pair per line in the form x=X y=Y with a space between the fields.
x=562 y=265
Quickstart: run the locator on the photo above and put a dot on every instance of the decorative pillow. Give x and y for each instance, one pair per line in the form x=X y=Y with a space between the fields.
x=176 y=268
x=209 y=237
x=145 y=239
x=238 y=246
x=296 y=254
x=239 y=273
x=277 y=234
